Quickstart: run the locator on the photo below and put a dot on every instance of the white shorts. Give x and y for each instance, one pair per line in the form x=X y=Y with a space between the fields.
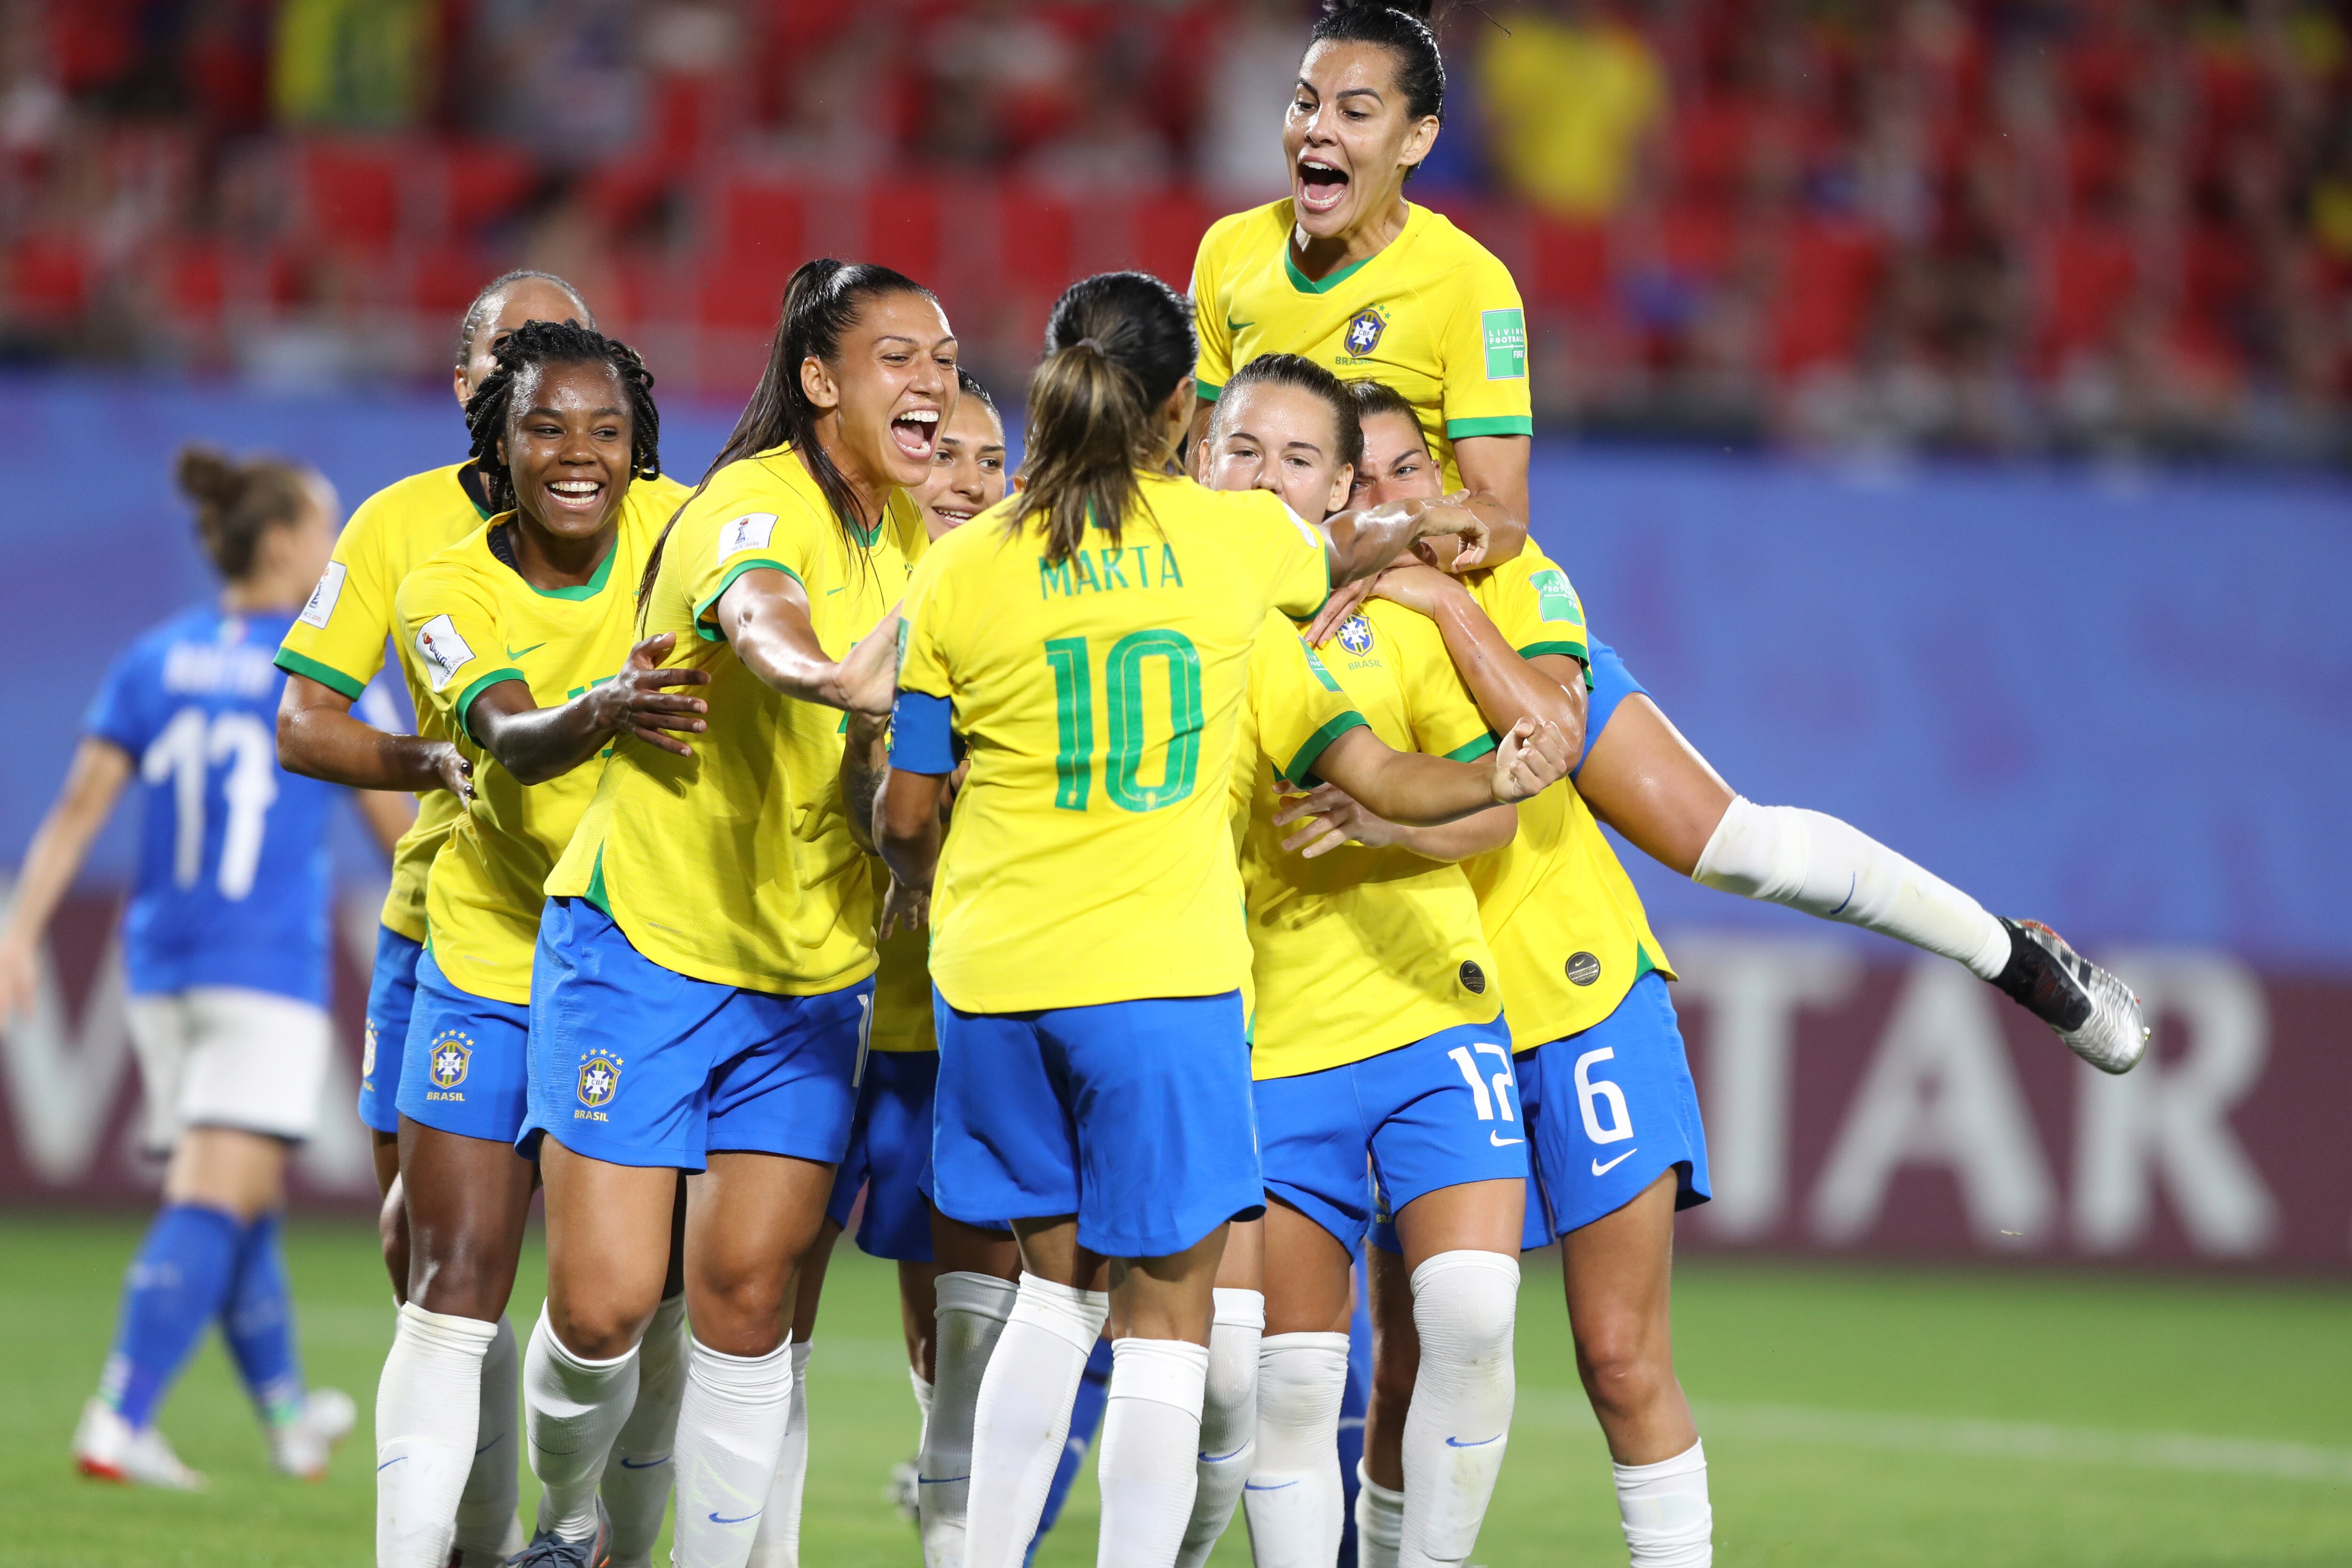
x=220 y=1056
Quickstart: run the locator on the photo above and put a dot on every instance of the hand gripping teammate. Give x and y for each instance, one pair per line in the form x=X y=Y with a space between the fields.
x=225 y=945
x=1348 y=272
x=706 y=957
x=1090 y=642
x=331 y=652
x=523 y=632
x=1378 y=1034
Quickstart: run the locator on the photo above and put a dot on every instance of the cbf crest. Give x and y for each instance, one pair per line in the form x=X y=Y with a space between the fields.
x=1363 y=333
x=1356 y=635
x=452 y=1055
x=600 y=1077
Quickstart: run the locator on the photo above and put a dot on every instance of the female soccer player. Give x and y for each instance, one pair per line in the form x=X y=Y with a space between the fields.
x=1095 y=1094
x=1348 y=272
x=524 y=633
x=706 y=958
x=225 y=943
x=1378 y=1033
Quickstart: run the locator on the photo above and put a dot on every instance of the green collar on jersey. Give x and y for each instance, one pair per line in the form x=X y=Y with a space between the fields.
x=1305 y=285
x=588 y=590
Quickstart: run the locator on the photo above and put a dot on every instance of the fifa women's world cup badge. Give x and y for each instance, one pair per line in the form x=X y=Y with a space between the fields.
x=600 y=1080
x=452 y=1054
x=1364 y=329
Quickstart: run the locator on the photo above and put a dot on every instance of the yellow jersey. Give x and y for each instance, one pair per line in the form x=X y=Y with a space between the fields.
x=735 y=865
x=1089 y=858
x=902 y=986
x=1433 y=315
x=1360 y=951
x=1567 y=928
x=339 y=639
x=471 y=621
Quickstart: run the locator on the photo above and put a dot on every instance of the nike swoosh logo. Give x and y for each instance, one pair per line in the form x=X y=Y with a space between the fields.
x=1253 y=1487
x=745 y=1520
x=490 y=1444
x=1234 y=326
x=519 y=652
x=389 y=1463
x=939 y=1480
x=829 y=593
x=643 y=1464
x=1221 y=1458
x=1458 y=1443
x=1600 y=1170
x=1499 y=1141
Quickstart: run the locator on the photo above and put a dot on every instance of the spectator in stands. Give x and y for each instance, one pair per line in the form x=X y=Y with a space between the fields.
x=1251 y=71
x=1573 y=93
x=353 y=64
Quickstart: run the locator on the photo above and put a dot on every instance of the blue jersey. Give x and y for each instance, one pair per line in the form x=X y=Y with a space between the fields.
x=232 y=886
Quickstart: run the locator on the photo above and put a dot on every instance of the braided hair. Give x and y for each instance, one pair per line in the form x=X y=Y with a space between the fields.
x=537 y=344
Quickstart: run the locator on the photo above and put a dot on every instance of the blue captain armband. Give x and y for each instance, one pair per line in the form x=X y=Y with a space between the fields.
x=920 y=737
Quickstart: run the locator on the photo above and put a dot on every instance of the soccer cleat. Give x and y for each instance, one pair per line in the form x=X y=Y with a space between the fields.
x=108 y=1448
x=2095 y=1012
x=546 y=1551
x=905 y=1491
x=299 y=1447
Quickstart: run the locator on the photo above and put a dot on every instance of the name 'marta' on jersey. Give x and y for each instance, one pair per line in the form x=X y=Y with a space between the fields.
x=339 y=639
x=1362 y=950
x=1433 y=315
x=1566 y=926
x=471 y=621
x=736 y=865
x=1090 y=857
x=232 y=883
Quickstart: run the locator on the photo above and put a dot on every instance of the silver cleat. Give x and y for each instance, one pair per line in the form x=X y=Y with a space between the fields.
x=2093 y=1012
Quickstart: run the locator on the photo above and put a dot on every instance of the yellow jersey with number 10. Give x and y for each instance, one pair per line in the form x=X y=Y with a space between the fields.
x=1089 y=858
x=471 y=621
x=1432 y=314
x=339 y=639
x=736 y=864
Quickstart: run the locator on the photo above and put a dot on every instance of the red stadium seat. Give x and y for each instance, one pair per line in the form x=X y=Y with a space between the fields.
x=481 y=183
x=352 y=191
x=1828 y=275
x=1037 y=247
x=2088 y=270
x=1165 y=234
x=743 y=289
x=443 y=278
x=1571 y=264
x=762 y=217
x=48 y=279
x=902 y=229
x=193 y=281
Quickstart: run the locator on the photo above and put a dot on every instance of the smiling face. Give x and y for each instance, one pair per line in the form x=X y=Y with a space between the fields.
x=1268 y=436
x=886 y=391
x=567 y=446
x=1349 y=139
x=966 y=469
x=524 y=300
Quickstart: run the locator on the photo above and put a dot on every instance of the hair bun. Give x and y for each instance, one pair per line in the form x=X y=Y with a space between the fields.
x=205 y=475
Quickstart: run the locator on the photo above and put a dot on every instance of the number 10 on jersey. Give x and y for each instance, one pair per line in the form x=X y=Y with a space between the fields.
x=1127 y=678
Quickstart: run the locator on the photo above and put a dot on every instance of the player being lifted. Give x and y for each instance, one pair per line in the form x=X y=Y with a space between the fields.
x=224 y=946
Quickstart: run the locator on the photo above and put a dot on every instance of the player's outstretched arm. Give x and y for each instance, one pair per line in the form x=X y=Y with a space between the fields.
x=536 y=744
x=1417 y=791
x=318 y=738
x=764 y=616
x=907 y=826
x=1368 y=539
x=1548 y=688
x=93 y=784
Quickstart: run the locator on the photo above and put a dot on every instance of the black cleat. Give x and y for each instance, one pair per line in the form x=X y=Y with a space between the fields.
x=2096 y=1013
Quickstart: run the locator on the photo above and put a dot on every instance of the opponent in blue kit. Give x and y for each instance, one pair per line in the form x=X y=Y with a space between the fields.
x=224 y=951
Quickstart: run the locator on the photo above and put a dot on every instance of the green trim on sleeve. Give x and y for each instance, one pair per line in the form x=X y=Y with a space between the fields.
x=1205 y=391
x=1471 y=751
x=1494 y=424
x=334 y=679
x=1574 y=650
x=1303 y=764
x=465 y=702
x=754 y=563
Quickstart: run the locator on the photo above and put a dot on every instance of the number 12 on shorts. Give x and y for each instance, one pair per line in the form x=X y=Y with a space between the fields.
x=1500 y=1099
x=1124 y=687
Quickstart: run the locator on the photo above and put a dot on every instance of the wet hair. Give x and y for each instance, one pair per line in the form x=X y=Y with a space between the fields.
x=969 y=385
x=238 y=502
x=1116 y=346
x=1373 y=397
x=479 y=311
x=537 y=343
x=1403 y=28
x=1303 y=373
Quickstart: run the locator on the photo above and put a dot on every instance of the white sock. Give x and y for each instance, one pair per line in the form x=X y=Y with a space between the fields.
x=636 y=1484
x=1787 y=855
x=1380 y=1522
x=1668 y=1523
x=1464 y=1304
x=1295 y=1494
x=971 y=1313
x=426 y=1404
x=777 y=1543
x=1150 y=1450
x=922 y=1394
x=573 y=1408
x=731 y=1432
x=489 y=1530
x=1021 y=1417
x=1228 y=1422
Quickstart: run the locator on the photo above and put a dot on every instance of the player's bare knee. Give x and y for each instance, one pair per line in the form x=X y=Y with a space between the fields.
x=1623 y=1362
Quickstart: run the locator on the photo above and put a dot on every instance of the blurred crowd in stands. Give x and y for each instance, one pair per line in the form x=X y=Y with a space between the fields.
x=2112 y=226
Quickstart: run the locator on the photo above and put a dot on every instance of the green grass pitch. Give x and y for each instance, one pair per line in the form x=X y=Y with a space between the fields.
x=1852 y=1417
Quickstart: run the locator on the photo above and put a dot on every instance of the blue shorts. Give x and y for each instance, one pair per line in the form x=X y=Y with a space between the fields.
x=391 y=993
x=1611 y=684
x=1437 y=1113
x=467 y=1060
x=889 y=1156
x=1134 y=1115
x=635 y=1064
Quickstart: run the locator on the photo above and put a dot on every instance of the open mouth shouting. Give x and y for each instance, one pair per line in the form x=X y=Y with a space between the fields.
x=916 y=432
x=1321 y=185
